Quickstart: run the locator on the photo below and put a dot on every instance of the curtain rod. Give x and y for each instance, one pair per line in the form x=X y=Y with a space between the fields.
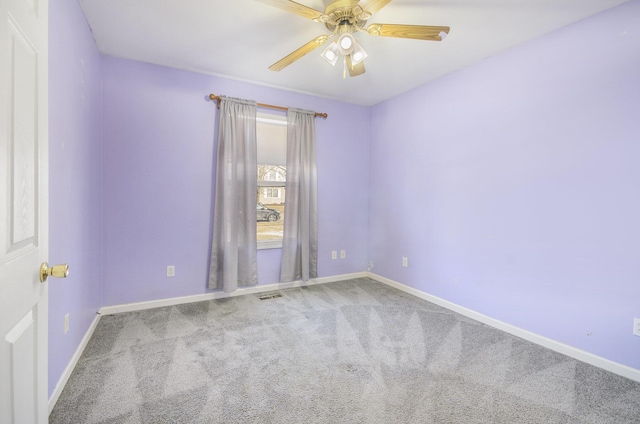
x=218 y=98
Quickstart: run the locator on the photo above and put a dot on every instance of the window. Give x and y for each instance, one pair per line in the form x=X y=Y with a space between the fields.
x=272 y=177
x=273 y=193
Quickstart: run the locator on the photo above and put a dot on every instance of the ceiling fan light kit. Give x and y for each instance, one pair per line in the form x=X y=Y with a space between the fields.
x=331 y=53
x=345 y=43
x=343 y=18
x=358 y=54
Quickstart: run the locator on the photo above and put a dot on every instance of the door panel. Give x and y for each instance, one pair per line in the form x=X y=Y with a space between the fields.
x=23 y=210
x=22 y=364
x=22 y=139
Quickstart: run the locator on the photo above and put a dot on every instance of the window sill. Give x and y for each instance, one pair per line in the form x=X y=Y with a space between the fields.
x=270 y=244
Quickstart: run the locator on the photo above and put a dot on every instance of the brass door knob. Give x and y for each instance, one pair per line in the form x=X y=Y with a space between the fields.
x=57 y=271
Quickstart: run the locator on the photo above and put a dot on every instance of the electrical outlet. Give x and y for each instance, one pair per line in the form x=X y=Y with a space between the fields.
x=343 y=254
x=171 y=271
x=66 y=323
x=405 y=262
x=334 y=254
x=636 y=326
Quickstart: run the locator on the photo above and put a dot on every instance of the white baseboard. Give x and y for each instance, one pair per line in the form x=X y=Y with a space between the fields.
x=72 y=364
x=581 y=355
x=573 y=352
x=138 y=306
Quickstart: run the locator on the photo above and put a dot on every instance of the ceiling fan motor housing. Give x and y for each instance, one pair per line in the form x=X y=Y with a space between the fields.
x=345 y=16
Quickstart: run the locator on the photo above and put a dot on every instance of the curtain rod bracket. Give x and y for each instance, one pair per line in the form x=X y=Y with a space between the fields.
x=218 y=98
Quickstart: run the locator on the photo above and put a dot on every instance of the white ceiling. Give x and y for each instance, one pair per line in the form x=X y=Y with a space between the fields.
x=241 y=38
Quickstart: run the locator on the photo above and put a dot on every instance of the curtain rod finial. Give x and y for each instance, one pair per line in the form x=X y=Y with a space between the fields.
x=215 y=99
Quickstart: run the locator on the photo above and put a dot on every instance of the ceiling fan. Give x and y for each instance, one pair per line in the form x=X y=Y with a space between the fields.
x=344 y=18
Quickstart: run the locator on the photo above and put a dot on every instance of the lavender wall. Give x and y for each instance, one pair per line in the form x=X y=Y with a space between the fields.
x=75 y=181
x=159 y=129
x=512 y=186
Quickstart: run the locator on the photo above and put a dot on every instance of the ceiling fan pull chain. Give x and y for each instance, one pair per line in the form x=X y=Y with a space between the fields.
x=344 y=68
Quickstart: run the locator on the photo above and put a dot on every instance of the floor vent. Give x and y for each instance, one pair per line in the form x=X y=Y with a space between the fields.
x=267 y=296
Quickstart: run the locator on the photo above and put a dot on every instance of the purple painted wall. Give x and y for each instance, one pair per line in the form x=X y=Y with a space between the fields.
x=513 y=186
x=75 y=181
x=159 y=129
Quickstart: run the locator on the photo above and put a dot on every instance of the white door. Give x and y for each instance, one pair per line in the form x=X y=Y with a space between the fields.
x=23 y=210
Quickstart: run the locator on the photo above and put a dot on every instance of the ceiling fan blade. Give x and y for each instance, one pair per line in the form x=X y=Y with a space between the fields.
x=372 y=6
x=297 y=54
x=419 y=32
x=355 y=70
x=293 y=7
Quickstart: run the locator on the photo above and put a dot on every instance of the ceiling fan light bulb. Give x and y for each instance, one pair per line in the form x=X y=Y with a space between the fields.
x=330 y=54
x=358 y=54
x=346 y=43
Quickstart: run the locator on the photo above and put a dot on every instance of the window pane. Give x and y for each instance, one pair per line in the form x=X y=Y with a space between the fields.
x=270 y=211
x=272 y=140
x=272 y=176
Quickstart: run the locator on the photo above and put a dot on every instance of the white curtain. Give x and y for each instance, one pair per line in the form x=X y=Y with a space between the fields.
x=300 y=239
x=234 y=247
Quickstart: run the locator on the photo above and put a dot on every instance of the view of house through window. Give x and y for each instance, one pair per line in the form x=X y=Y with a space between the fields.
x=272 y=177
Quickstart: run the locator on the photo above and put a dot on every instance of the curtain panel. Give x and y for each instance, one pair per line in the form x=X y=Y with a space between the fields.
x=234 y=245
x=300 y=239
